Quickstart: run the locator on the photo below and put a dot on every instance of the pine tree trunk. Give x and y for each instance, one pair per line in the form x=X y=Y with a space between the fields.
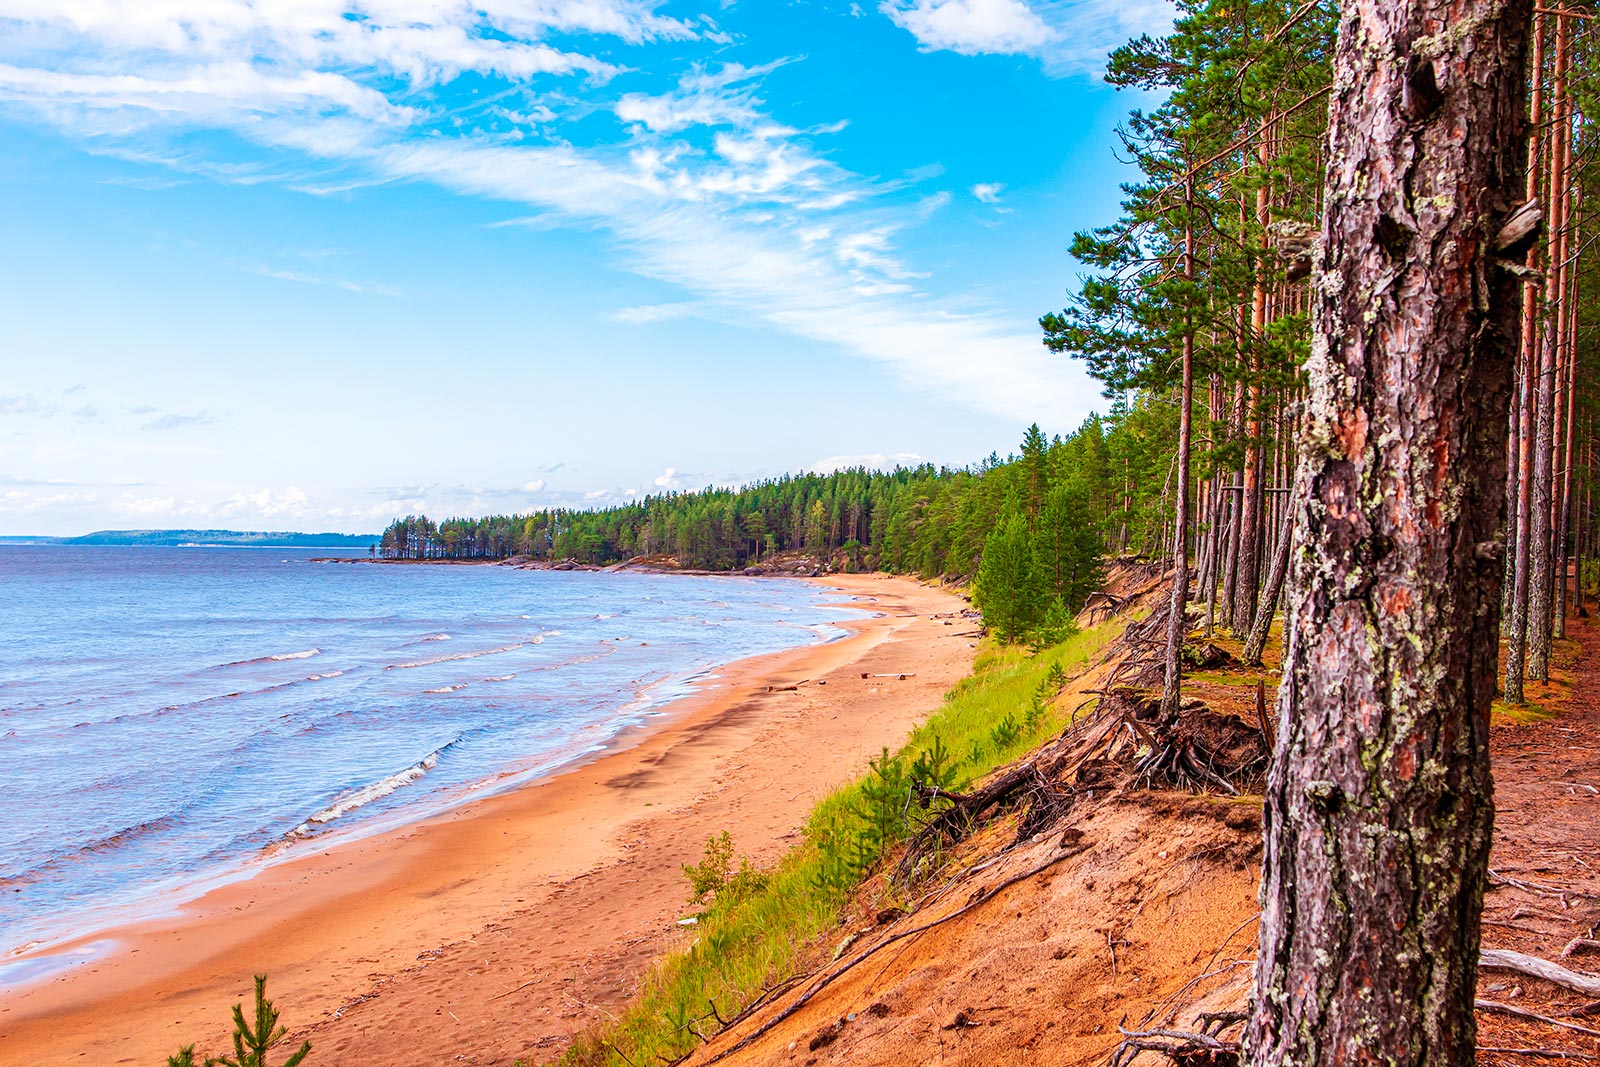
x=1249 y=560
x=1379 y=803
x=1541 y=585
x=1520 y=480
x=1269 y=596
x=1563 y=510
x=1177 y=625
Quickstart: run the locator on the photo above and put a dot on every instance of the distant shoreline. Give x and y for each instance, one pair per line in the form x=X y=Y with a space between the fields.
x=789 y=567
x=200 y=539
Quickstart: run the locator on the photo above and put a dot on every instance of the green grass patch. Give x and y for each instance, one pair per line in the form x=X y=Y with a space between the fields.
x=1503 y=714
x=757 y=928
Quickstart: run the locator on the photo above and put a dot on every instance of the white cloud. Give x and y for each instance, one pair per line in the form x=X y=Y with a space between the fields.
x=535 y=486
x=669 y=479
x=971 y=27
x=988 y=192
x=1068 y=36
x=882 y=461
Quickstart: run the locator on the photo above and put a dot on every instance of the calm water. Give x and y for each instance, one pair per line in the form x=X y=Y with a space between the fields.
x=170 y=716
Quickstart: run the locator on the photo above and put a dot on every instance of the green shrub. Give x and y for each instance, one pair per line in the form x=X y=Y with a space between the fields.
x=714 y=875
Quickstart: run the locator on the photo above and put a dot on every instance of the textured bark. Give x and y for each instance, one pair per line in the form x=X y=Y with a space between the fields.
x=1379 y=803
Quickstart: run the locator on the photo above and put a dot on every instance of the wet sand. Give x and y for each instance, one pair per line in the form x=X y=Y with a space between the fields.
x=494 y=932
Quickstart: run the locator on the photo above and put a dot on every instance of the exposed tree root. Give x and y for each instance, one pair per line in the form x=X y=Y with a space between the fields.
x=1499 y=959
x=1186 y=1048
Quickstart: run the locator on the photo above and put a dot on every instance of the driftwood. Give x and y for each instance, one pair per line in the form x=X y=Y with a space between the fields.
x=1499 y=959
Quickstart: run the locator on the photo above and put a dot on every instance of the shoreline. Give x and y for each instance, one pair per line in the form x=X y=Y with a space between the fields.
x=567 y=885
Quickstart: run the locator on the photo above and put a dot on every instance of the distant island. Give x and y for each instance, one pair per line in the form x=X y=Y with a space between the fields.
x=207 y=538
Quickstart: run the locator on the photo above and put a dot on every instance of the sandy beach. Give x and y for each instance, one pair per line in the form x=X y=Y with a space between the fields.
x=492 y=933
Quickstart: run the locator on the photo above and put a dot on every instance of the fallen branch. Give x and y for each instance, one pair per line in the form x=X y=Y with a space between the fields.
x=1507 y=1009
x=1542 y=1053
x=1499 y=959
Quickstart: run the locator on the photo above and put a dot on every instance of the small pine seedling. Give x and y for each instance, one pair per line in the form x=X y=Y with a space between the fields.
x=250 y=1042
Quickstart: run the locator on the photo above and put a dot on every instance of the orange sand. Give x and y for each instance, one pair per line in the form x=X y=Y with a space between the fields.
x=494 y=932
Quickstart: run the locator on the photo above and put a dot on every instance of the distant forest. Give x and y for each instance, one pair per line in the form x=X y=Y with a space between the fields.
x=1105 y=488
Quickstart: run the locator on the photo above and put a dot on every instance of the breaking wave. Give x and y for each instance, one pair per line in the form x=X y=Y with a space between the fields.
x=361 y=797
x=459 y=655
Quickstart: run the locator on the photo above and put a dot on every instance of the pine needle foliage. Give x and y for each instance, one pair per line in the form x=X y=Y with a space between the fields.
x=251 y=1037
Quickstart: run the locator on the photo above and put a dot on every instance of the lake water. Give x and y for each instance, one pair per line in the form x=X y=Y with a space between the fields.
x=169 y=717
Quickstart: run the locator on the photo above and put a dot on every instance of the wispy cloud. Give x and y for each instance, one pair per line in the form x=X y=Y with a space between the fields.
x=25 y=404
x=303 y=278
x=175 y=420
x=645 y=314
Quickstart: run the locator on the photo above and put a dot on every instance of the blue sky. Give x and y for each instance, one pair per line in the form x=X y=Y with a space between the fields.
x=309 y=264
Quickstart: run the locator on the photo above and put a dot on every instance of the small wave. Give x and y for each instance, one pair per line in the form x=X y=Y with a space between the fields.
x=446 y=688
x=278 y=658
x=459 y=655
x=500 y=678
x=104 y=844
x=606 y=615
x=436 y=637
x=358 y=798
x=324 y=674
